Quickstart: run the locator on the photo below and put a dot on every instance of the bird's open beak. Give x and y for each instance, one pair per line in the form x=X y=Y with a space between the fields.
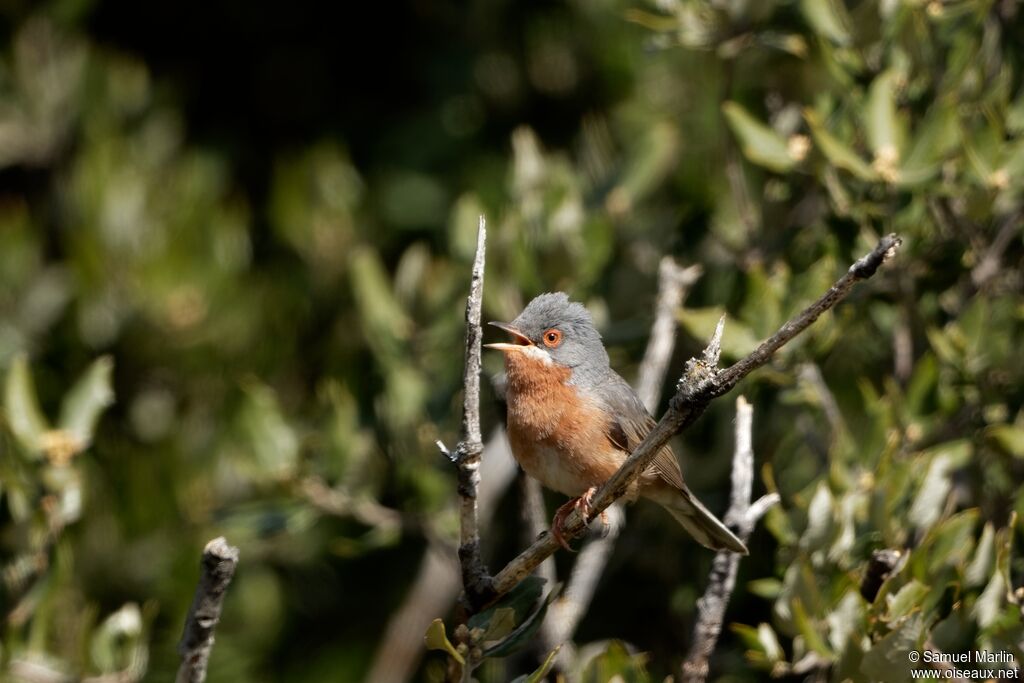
x=519 y=340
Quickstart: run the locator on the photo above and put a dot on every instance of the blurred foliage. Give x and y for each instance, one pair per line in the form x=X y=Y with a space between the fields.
x=284 y=351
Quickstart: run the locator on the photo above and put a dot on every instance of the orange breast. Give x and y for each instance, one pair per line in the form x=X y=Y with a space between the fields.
x=558 y=436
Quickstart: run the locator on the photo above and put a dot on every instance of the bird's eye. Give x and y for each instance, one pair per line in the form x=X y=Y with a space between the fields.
x=552 y=338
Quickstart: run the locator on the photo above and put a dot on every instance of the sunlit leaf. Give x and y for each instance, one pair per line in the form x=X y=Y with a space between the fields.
x=769 y=643
x=810 y=631
x=828 y=19
x=887 y=660
x=437 y=639
x=22 y=407
x=836 y=151
x=820 y=519
x=880 y=116
x=931 y=496
x=542 y=671
x=616 y=663
x=759 y=143
x=89 y=396
x=1009 y=437
x=266 y=432
x=984 y=558
x=906 y=600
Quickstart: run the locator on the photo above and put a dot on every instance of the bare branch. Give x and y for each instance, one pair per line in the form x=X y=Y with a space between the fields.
x=991 y=262
x=811 y=373
x=475 y=579
x=673 y=283
x=535 y=522
x=760 y=507
x=437 y=584
x=742 y=516
x=701 y=383
x=340 y=503
x=218 y=568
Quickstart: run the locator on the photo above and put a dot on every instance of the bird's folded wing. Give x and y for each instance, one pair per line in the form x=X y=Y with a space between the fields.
x=631 y=423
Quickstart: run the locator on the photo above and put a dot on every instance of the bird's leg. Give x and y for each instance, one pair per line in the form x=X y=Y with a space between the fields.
x=583 y=505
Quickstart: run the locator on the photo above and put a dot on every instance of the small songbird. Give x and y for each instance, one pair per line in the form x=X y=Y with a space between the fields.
x=572 y=420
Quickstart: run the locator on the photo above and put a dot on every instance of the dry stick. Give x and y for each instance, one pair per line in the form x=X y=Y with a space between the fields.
x=535 y=522
x=467 y=454
x=673 y=283
x=437 y=581
x=218 y=567
x=702 y=382
x=742 y=516
x=340 y=503
x=566 y=612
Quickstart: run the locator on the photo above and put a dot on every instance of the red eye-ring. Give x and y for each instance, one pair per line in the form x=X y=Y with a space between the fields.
x=552 y=338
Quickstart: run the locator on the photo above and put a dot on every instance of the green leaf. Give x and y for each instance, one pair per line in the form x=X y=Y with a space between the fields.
x=22 y=407
x=1009 y=437
x=950 y=542
x=810 y=631
x=906 y=600
x=837 y=152
x=117 y=642
x=767 y=588
x=502 y=622
x=828 y=19
x=83 y=404
x=990 y=603
x=936 y=138
x=538 y=675
x=437 y=639
x=520 y=599
x=846 y=621
x=820 y=519
x=931 y=496
x=266 y=433
x=769 y=643
x=984 y=556
x=760 y=144
x=525 y=631
x=880 y=116
x=887 y=660
x=616 y=663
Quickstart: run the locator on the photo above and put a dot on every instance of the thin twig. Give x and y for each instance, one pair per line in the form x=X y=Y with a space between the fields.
x=535 y=522
x=437 y=583
x=218 y=568
x=340 y=503
x=673 y=283
x=702 y=382
x=810 y=372
x=742 y=516
x=475 y=580
x=991 y=262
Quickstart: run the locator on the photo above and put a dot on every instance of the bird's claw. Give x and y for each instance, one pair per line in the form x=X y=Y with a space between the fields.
x=582 y=504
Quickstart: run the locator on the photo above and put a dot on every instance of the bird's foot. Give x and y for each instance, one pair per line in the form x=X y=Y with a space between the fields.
x=582 y=504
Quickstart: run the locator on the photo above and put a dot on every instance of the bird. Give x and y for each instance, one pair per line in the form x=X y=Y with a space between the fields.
x=572 y=420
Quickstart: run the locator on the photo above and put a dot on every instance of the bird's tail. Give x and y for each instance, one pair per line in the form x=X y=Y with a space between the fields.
x=705 y=528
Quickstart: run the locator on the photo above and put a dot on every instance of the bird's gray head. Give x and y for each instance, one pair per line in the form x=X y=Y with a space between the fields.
x=560 y=329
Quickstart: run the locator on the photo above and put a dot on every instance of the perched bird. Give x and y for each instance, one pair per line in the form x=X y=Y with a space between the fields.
x=572 y=420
